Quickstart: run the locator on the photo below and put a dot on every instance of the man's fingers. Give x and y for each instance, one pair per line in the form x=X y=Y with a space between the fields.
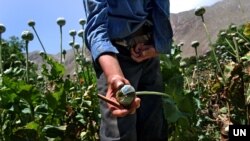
x=150 y=52
x=134 y=53
x=120 y=112
x=136 y=105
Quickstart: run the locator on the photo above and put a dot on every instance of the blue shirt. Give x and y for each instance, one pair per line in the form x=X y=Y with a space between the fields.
x=112 y=19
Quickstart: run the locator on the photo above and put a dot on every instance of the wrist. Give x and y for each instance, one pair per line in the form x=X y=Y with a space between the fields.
x=110 y=65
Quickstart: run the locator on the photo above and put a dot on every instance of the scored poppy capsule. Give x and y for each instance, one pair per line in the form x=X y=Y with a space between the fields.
x=126 y=95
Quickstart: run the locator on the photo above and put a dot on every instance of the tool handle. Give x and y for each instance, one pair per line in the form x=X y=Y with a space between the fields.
x=114 y=103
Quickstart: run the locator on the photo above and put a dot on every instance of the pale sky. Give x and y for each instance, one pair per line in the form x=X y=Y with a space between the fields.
x=15 y=14
x=177 y=6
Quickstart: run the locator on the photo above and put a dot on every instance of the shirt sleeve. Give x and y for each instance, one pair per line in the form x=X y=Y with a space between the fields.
x=96 y=32
x=162 y=27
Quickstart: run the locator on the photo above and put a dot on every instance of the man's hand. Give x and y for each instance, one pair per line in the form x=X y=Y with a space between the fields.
x=115 y=80
x=142 y=52
x=114 y=84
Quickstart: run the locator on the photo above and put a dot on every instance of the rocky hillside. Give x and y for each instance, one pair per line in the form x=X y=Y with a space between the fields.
x=69 y=59
x=188 y=27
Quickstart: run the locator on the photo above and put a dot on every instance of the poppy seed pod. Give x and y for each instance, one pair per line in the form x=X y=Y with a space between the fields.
x=2 y=28
x=64 y=52
x=31 y=23
x=233 y=34
x=4 y=44
x=233 y=27
x=181 y=44
x=195 y=44
x=40 y=78
x=223 y=34
x=78 y=59
x=241 y=41
x=247 y=44
x=41 y=53
x=76 y=46
x=71 y=43
x=183 y=64
x=72 y=32
x=27 y=35
x=17 y=62
x=126 y=95
x=200 y=11
x=82 y=22
x=13 y=56
x=178 y=57
x=61 y=21
x=80 y=33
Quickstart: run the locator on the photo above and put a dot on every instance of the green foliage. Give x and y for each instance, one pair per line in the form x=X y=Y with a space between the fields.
x=12 y=49
x=46 y=107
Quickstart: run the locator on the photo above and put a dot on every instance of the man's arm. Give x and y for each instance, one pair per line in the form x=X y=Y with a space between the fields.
x=96 y=32
x=104 y=53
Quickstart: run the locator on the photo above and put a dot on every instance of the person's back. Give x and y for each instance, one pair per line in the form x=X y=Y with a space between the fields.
x=125 y=38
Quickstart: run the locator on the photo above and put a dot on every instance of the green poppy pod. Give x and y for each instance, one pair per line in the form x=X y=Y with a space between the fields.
x=71 y=43
x=31 y=23
x=8 y=71
x=42 y=54
x=72 y=32
x=241 y=41
x=126 y=95
x=13 y=56
x=64 y=52
x=5 y=44
x=178 y=57
x=78 y=59
x=31 y=62
x=233 y=27
x=31 y=80
x=82 y=22
x=88 y=59
x=76 y=46
x=223 y=34
x=200 y=11
x=237 y=39
x=61 y=21
x=247 y=44
x=27 y=35
x=2 y=28
x=80 y=33
x=233 y=34
x=195 y=44
x=17 y=62
x=183 y=64
x=180 y=44
x=40 y=78
x=222 y=47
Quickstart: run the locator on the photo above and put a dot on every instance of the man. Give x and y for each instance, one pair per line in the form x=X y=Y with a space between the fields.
x=125 y=38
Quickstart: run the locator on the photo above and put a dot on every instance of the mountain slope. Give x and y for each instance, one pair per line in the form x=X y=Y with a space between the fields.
x=187 y=27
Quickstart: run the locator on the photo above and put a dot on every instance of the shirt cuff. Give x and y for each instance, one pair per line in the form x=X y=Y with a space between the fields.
x=102 y=47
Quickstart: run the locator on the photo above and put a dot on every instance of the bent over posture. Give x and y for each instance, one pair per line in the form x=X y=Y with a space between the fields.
x=125 y=38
